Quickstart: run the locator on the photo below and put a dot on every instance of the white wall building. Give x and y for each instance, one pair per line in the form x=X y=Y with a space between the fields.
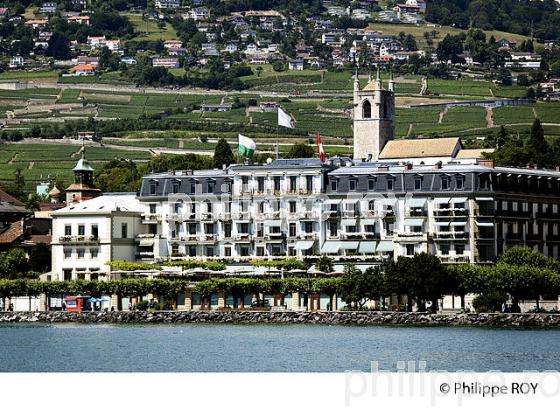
x=91 y=233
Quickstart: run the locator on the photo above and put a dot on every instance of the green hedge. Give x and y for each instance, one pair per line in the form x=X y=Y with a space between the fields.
x=132 y=266
x=288 y=264
x=186 y=264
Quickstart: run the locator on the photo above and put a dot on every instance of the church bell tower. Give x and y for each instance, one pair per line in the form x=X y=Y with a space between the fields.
x=83 y=188
x=374 y=117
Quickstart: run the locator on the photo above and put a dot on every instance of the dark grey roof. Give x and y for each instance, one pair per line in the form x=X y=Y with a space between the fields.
x=284 y=163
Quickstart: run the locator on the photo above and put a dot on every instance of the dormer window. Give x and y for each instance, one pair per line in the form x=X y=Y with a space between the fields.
x=371 y=184
x=417 y=183
x=390 y=184
x=334 y=184
x=460 y=182
x=353 y=184
x=153 y=188
x=445 y=182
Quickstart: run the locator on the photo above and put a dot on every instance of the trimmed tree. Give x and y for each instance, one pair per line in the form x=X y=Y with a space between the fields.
x=223 y=154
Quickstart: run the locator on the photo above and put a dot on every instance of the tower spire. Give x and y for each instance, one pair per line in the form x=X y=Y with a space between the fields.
x=356 y=87
x=378 y=79
x=391 y=82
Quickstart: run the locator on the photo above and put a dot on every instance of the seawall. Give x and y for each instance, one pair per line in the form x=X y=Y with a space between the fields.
x=325 y=318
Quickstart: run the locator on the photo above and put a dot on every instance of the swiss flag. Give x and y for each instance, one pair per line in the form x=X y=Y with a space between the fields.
x=320 y=148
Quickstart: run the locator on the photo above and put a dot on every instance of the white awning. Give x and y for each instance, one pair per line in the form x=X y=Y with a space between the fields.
x=441 y=200
x=349 y=245
x=331 y=247
x=368 y=221
x=303 y=245
x=458 y=223
x=442 y=223
x=146 y=242
x=367 y=247
x=485 y=224
x=459 y=200
x=333 y=201
x=413 y=222
x=348 y=222
x=484 y=198
x=275 y=223
x=416 y=203
x=384 y=246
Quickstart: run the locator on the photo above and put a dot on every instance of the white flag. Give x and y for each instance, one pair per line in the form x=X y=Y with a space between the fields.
x=284 y=119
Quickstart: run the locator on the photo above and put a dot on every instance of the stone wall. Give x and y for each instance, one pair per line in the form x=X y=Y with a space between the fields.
x=326 y=318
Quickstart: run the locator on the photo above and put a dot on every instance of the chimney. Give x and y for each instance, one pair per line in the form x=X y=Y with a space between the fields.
x=486 y=163
x=437 y=165
x=224 y=166
x=408 y=166
x=557 y=168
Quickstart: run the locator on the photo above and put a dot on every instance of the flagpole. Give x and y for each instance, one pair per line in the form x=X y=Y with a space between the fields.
x=277 y=137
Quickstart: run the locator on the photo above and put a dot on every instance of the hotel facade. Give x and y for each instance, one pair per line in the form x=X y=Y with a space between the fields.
x=394 y=198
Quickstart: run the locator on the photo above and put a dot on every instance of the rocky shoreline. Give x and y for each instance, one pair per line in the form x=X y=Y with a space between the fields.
x=288 y=317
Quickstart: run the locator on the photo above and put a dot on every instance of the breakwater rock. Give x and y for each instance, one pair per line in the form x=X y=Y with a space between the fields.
x=289 y=317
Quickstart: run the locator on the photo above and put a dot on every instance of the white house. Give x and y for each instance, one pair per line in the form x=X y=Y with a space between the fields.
x=166 y=62
x=231 y=48
x=167 y=4
x=91 y=233
x=16 y=61
x=200 y=13
x=296 y=64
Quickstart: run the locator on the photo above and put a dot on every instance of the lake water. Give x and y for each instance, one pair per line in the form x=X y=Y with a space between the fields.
x=270 y=348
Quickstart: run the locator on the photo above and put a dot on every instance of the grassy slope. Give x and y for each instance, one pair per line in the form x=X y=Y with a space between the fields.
x=418 y=32
x=149 y=30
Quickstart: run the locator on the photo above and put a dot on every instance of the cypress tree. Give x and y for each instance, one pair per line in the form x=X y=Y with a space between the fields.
x=223 y=154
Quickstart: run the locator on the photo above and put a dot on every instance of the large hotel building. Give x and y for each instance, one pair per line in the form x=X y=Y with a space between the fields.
x=393 y=198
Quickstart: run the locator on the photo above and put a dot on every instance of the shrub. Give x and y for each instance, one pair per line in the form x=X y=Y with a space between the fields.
x=490 y=302
x=143 y=305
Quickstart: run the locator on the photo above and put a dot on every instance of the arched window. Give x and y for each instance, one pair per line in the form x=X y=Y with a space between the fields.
x=366 y=109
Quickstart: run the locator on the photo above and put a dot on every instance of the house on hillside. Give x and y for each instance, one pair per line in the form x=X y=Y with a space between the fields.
x=48 y=7
x=83 y=70
x=215 y=107
x=167 y=4
x=165 y=62
x=16 y=61
x=295 y=64
x=199 y=13
x=84 y=20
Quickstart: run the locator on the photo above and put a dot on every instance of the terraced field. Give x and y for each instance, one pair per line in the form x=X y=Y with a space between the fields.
x=39 y=162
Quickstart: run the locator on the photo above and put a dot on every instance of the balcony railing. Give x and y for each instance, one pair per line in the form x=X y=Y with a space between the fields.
x=79 y=239
x=351 y=235
x=451 y=212
x=447 y=235
x=514 y=236
x=307 y=236
x=151 y=217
